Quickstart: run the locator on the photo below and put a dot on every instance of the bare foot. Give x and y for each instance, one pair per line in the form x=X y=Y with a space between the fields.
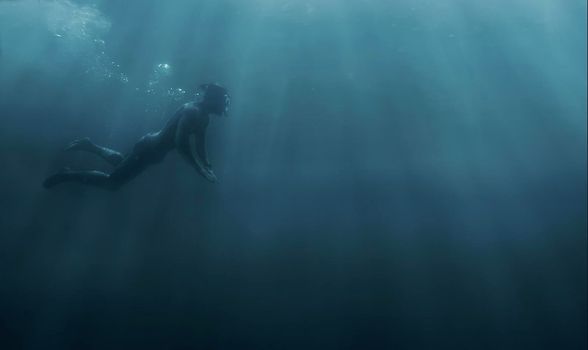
x=83 y=144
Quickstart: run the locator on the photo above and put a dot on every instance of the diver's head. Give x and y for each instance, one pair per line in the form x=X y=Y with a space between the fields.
x=214 y=99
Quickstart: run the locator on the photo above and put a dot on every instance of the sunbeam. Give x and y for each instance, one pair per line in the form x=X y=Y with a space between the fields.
x=390 y=174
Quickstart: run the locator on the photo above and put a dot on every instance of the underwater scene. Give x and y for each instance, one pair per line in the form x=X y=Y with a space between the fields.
x=293 y=174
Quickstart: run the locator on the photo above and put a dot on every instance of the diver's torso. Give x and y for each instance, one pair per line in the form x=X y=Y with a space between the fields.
x=154 y=146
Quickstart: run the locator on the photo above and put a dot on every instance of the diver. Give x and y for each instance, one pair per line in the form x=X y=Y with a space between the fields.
x=185 y=131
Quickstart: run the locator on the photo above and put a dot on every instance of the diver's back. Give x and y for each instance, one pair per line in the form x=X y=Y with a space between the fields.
x=167 y=135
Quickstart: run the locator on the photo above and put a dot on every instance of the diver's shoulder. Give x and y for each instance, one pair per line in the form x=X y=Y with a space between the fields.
x=191 y=108
x=193 y=114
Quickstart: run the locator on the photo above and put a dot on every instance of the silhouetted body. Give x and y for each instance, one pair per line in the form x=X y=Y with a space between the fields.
x=185 y=131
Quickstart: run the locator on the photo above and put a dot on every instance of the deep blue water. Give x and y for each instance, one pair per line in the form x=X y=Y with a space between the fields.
x=393 y=175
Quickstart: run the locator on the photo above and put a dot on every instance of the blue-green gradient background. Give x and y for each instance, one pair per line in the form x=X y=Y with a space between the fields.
x=404 y=174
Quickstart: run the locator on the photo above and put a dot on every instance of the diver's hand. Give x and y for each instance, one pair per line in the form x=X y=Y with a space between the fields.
x=209 y=175
x=204 y=170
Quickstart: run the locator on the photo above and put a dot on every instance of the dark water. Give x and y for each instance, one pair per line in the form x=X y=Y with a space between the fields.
x=394 y=175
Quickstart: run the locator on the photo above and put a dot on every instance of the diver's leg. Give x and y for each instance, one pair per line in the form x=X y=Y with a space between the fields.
x=147 y=151
x=88 y=177
x=127 y=170
x=111 y=156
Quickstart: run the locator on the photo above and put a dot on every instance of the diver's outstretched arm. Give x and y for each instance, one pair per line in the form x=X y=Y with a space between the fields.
x=203 y=170
x=189 y=134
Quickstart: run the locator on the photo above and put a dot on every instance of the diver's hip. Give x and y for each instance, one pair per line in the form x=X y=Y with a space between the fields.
x=151 y=148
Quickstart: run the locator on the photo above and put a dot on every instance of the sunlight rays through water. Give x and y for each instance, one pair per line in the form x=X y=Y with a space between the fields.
x=407 y=171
